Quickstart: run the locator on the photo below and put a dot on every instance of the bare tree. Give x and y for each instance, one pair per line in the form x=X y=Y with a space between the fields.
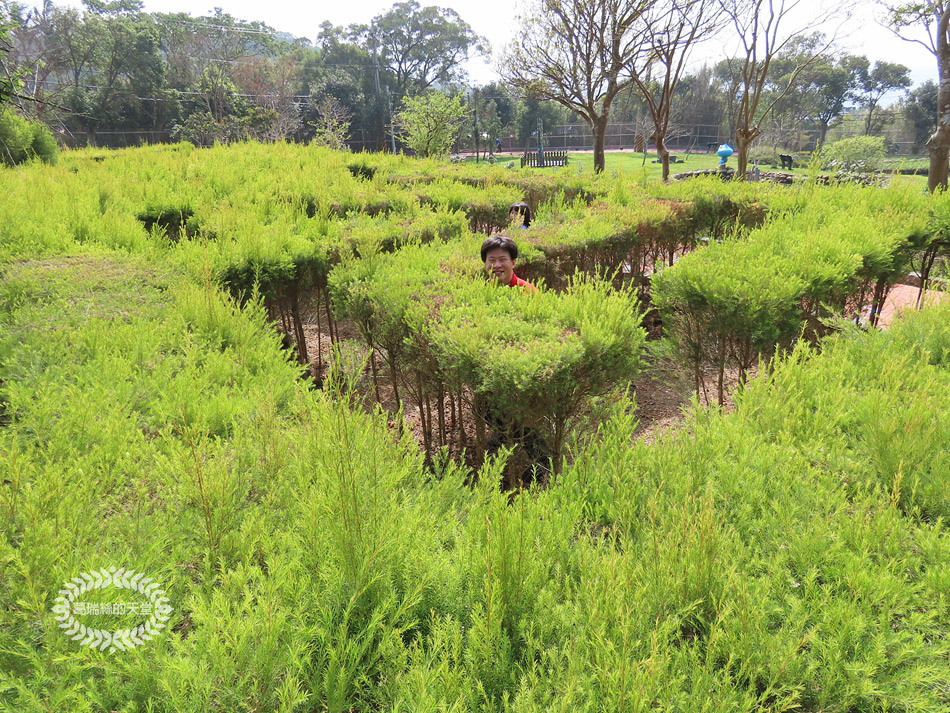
x=761 y=27
x=34 y=55
x=671 y=29
x=333 y=126
x=577 y=53
x=934 y=17
x=273 y=82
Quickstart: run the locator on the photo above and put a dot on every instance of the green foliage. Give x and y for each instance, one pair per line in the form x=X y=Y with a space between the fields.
x=418 y=45
x=530 y=360
x=429 y=123
x=857 y=154
x=791 y=552
x=22 y=140
x=789 y=555
x=332 y=127
x=739 y=300
x=9 y=79
x=921 y=111
x=204 y=130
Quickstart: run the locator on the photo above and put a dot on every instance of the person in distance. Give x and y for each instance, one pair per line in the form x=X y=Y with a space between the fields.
x=520 y=214
x=499 y=253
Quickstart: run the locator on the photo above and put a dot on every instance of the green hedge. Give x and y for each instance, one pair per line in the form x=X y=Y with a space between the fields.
x=741 y=299
x=466 y=350
x=22 y=140
x=790 y=555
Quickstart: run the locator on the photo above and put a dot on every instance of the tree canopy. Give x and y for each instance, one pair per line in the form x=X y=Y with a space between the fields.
x=579 y=54
x=109 y=73
x=420 y=46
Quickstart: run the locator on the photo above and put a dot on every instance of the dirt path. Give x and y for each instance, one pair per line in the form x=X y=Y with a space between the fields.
x=904 y=297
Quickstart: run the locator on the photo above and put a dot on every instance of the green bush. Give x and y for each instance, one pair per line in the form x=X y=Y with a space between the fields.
x=740 y=300
x=22 y=140
x=860 y=153
x=429 y=122
x=765 y=154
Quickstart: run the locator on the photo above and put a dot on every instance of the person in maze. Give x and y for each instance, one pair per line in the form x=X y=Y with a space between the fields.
x=499 y=254
x=520 y=214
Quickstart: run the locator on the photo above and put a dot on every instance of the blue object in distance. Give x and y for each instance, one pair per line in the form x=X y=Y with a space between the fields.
x=724 y=152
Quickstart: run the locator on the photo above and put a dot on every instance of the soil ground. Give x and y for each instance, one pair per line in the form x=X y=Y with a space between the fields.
x=904 y=297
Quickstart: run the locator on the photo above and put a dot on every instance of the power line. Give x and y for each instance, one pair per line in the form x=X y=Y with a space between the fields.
x=178 y=91
x=204 y=25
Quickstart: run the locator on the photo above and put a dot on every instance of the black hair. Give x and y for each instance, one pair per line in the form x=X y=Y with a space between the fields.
x=500 y=241
x=524 y=210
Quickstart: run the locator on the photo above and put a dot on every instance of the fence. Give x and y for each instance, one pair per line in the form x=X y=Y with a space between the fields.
x=112 y=139
x=699 y=138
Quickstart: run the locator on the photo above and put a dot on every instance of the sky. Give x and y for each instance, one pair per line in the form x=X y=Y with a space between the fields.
x=496 y=20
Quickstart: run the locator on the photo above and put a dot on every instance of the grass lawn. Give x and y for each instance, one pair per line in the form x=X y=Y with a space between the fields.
x=918 y=162
x=631 y=163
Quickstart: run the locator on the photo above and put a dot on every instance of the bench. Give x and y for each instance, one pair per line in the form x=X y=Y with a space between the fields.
x=549 y=158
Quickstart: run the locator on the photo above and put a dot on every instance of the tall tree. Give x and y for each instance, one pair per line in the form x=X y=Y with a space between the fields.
x=933 y=16
x=875 y=82
x=761 y=29
x=272 y=83
x=577 y=53
x=504 y=102
x=110 y=57
x=798 y=104
x=528 y=111
x=8 y=83
x=32 y=54
x=817 y=97
x=486 y=123
x=340 y=68
x=702 y=106
x=204 y=56
x=837 y=81
x=430 y=122
x=671 y=28
x=920 y=110
x=420 y=46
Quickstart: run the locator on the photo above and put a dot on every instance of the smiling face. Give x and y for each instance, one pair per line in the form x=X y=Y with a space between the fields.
x=499 y=265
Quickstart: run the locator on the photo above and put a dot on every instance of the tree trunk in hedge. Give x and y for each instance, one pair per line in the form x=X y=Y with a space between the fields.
x=479 y=411
x=877 y=301
x=663 y=154
x=320 y=347
x=598 y=127
x=298 y=326
x=743 y=141
x=938 y=145
x=926 y=265
x=721 y=366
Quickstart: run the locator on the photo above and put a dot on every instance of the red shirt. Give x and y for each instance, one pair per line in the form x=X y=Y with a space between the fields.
x=518 y=282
